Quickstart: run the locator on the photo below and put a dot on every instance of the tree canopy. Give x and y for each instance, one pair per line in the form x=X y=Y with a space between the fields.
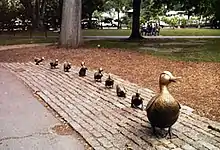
x=39 y=11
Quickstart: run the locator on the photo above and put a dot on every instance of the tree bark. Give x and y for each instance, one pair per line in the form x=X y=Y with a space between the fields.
x=60 y=9
x=34 y=17
x=38 y=15
x=118 y=19
x=35 y=11
x=90 y=21
x=135 y=34
x=28 y=7
x=42 y=13
x=70 y=36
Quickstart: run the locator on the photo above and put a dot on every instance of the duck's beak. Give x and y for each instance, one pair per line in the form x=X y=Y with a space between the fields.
x=173 y=79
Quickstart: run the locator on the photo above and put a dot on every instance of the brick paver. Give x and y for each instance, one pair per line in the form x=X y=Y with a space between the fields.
x=107 y=121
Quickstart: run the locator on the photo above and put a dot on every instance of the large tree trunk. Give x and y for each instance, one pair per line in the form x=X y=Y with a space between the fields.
x=90 y=21
x=38 y=14
x=28 y=7
x=135 y=34
x=71 y=24
x=34 y=17
x=42 y=13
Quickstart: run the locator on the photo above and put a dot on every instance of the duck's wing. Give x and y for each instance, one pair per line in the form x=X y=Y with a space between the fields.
x=179 y=105
x=153 y=99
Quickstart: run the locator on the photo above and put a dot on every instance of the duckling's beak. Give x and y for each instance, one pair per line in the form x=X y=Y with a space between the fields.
x=173 y=79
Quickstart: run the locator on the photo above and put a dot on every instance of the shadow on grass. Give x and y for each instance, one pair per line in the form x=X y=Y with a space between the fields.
x=175 y=49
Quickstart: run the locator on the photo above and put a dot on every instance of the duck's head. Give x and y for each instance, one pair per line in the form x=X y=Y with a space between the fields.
x=138 y=93
x=167 y=77
x=100 y=69
x=56 y=60
x=83 y=63
x=42 y=58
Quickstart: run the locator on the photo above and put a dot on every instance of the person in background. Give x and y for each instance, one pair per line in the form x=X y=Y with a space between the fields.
x=157 y=29
x=149 y=28
x=153 y=31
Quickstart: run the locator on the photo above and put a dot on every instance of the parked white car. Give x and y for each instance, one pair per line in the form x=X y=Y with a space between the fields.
x=163 y=24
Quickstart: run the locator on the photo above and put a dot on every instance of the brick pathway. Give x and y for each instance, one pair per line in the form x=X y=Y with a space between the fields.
x=106 y=121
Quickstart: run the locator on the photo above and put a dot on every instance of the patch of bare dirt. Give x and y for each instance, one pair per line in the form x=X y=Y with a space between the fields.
x=63 y=129
x=199 y=87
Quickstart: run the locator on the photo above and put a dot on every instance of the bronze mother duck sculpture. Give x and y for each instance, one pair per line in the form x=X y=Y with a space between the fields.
x=163 y=110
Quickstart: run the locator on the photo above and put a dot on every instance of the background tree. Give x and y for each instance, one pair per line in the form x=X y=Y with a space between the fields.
x=52 y=14
x=71 y=35
x=35 y=11
x=89 y=6
x=9 y=11
x=149 y=9
x=135 y=33
x=119 y=6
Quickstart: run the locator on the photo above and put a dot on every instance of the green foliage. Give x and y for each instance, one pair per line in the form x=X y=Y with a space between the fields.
x=125 y=20
x=174 y=21
x=89 y=6
x=142 y=19
x=183 y=22
x=97 y=14
x=9 y=10
x=150 y=10
x=166 y=20
x=118 y=5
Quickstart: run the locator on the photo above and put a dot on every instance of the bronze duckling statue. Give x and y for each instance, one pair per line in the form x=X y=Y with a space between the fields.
x=163 y=110
x=53 y=65
x=98 y=75
x=137 y=101
x=121 y=91
x=66 y=66
x=109 y=82
x=38 y=60
x=82 y=71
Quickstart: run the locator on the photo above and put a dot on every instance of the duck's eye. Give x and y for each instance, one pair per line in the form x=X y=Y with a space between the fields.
x=166 y=77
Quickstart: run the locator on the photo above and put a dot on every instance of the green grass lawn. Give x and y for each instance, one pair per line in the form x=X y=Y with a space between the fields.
x=176 y=49
x=16 y=40
x=111 y=32
x=190 y=32
x=164 y=32
x=28 y=34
